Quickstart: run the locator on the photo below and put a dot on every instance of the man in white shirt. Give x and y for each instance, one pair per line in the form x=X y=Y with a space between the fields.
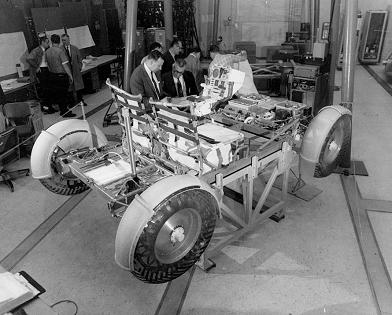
x=39 y=72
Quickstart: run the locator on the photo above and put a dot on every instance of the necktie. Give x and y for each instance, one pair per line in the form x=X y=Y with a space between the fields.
x=180 y=92
x=155 y=84
x=69 y=52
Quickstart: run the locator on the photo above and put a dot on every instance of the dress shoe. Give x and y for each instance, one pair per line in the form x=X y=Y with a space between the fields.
x=69 y=114
x=48 y=110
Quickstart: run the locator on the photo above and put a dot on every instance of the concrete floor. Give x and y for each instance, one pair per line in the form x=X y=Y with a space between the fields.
x=309 y=263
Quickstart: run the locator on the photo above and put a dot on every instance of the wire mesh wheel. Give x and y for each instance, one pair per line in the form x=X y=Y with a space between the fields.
x=335 y=146
x=176 y=235
x=62 y=183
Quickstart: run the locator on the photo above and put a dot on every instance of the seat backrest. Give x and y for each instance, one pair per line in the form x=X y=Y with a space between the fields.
x=132 y=102
x=176 y=123
x=19 y=115
x=2 y=122
x=16 y=110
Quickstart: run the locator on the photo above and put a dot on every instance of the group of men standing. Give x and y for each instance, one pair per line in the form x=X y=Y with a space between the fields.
x=161 y=75
x=57 y=70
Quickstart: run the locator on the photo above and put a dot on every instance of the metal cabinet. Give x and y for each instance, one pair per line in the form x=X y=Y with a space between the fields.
x=373 y=33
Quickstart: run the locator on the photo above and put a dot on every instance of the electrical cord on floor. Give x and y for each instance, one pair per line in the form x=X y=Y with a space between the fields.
x=67 y=301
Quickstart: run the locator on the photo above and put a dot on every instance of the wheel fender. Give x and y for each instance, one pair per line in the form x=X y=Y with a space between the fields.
x=141 y=210
x=316 y=135
x=67 y=134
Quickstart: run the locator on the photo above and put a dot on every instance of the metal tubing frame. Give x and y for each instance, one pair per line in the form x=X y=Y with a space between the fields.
x=128 y=135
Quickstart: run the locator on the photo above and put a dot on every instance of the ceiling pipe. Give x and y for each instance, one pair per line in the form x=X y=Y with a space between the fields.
x=334 y=47
x=305 y=11
x=316 y=20
x=215 y=22
x=349 y=49
x=168 y=16
x=130 y=40
x=349 y=60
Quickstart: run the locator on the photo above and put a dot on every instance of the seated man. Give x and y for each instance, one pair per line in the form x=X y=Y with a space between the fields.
x=144 y=79
x=179 y=82
x=154 y=46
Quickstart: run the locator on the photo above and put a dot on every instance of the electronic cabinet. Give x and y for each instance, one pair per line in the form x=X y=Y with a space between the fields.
x=373 y=33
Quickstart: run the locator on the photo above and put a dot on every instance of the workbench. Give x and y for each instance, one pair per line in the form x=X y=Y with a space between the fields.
x=91 y=71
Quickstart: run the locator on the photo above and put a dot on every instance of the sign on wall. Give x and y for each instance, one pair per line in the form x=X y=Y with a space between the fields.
x=13 y=49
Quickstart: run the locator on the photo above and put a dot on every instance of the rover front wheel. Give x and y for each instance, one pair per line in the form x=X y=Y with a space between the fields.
x=176 y=235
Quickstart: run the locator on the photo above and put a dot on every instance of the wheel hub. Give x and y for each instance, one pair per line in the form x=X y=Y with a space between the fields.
x=177 y=235
x=333 y=146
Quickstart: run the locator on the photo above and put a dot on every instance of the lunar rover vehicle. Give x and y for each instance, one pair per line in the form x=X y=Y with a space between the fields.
x=166 y=180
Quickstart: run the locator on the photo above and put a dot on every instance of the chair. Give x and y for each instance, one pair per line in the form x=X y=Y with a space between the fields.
x=111 y=118
x=9 y=151
x=19 y=116
x=141 y=130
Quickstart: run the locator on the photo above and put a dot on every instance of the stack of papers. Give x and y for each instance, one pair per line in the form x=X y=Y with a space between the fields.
x=14 y=291
x=7 y=84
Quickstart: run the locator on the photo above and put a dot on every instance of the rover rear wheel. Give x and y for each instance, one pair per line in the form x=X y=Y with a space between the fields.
x=326 y=143
x=334 y=148
x=62 y=183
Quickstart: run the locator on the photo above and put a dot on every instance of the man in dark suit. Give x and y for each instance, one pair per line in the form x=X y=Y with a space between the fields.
x=170 y=56
x=178 y=82
x=75 y=62
x=145 y=79
x=153 y=46
x=39 y=72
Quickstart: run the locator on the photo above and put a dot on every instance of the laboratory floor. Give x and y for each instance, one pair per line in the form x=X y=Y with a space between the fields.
x=309 y=263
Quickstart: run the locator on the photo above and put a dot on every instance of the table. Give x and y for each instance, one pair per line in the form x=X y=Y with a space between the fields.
x=35 y=306
x=92 y=70
x=100 y=61
x=19 y=91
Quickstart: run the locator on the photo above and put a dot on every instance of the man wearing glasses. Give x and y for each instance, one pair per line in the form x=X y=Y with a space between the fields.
x=178 y=82
x=170 y=56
